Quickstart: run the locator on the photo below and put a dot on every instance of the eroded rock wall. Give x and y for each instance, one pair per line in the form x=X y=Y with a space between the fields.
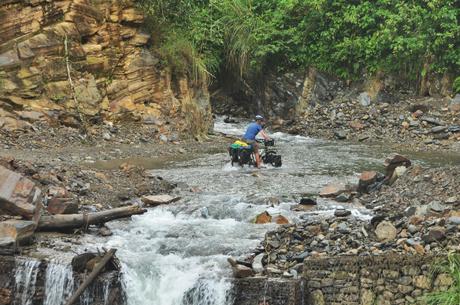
x=114 y=70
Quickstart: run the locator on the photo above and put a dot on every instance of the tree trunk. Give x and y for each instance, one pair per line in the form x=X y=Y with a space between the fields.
x=61 y=222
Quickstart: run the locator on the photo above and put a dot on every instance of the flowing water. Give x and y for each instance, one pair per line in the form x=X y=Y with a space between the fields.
x=176 y=254
x=59 y=283
x=25 y=279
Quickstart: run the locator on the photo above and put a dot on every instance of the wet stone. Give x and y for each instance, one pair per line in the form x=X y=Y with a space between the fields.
x=342 y=212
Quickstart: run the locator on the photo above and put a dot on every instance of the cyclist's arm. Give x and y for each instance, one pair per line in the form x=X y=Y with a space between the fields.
x=264 y=135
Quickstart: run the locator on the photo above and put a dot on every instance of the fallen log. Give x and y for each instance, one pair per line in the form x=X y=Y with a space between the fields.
x=97 y=269
x=70 y=221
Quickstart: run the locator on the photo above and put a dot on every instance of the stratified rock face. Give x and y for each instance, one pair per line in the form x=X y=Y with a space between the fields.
x=113 y=70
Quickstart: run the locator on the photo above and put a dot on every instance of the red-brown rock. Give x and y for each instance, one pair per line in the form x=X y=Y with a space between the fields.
x=59 y=205
x=393 y=161
x=19 y=196
x=281 y=220
x=333 y=190
x=263 y=218
x=367 y=178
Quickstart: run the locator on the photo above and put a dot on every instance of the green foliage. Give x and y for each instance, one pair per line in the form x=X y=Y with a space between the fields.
x=346 y=38
x=456 y=86
x=452 y=295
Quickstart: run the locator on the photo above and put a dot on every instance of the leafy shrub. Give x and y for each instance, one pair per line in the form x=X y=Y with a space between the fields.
x=456 y=86
x=346 y=38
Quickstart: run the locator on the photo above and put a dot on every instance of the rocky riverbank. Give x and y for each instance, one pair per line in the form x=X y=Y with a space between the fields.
x=420 y=123
x=418 y=214
x=386 y=257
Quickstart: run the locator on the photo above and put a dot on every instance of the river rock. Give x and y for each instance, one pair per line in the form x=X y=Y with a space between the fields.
x=441 y=136
x=342 y=212
x=393 y=161
x=263 y=218
x=438 y=129
x=333 y=190
x=385 y=231
x=62 y=206
x=435 y=234
x=356 y=125
x=436 y=206
x=16 y=231
x=300 y=257
x=454 y=128
x=366 y=179
x=19 y=195
x=240 y=271
x=344 y=197
x=154 y=200
x=454 y=104
x=340 y=134
x=257 y=265
x=308 y=201
x=280 y=219
x=398 y=172
x=433 y=121
x=454 y=220
x=364 y=99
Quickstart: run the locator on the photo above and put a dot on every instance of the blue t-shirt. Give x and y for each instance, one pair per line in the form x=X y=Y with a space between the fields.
x=252 y=131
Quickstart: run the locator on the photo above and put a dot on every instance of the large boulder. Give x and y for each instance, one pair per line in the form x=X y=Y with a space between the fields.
x=14 y=232
x=19 y=196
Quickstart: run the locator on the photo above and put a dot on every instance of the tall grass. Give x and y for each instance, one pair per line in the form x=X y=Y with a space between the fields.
x=451 y=296
x=240 y=26
x=182 y=57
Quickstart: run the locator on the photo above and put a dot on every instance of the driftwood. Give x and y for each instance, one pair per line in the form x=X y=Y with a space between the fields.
x=71 y=221
x=97 y=269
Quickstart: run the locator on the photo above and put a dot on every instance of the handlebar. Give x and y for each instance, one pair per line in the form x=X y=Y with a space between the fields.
x=270 y=142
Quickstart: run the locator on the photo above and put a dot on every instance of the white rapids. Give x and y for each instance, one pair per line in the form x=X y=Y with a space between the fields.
x=177 y=254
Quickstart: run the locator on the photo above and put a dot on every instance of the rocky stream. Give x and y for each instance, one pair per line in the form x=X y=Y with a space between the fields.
x=177 y=253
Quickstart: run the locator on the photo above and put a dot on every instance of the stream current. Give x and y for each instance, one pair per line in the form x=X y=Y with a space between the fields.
x=177 y=254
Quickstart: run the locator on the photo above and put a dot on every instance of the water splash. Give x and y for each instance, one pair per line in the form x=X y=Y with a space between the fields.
x=59 y=283
x=25 y=279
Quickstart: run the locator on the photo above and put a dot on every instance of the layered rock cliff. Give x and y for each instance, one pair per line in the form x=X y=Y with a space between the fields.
x=101 y=48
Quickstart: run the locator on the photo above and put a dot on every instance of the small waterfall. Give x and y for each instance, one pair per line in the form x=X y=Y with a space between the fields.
x=95 y=292
x=25 y=278
x=59 y=283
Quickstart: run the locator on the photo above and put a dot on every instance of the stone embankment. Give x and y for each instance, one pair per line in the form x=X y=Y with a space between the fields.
x=387 y=258
x=79 y=62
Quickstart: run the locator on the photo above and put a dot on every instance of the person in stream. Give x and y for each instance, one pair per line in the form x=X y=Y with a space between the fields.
x=254 y=129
